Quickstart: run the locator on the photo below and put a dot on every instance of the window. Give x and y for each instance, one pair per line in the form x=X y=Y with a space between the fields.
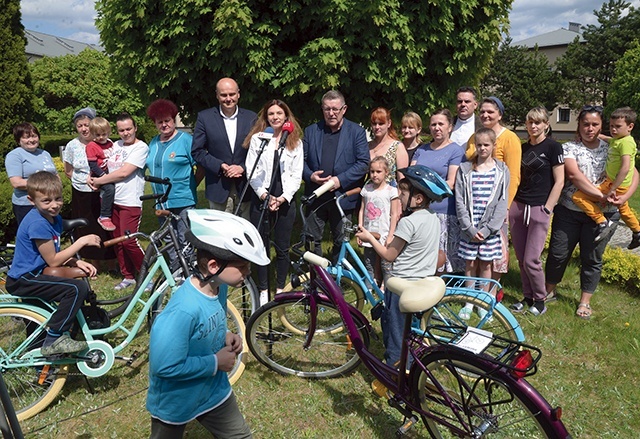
x=564 y=114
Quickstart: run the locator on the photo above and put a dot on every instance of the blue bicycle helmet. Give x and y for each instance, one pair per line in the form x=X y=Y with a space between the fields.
x=427 y=181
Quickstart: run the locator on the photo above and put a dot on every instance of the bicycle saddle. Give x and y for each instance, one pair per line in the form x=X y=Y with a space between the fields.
x=417 y=295
x=70 y=224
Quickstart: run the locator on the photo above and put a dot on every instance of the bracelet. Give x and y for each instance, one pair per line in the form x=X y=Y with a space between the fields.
x=547 y=211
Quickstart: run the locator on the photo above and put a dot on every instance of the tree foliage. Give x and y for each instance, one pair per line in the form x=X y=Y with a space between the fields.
x=16 y=97
x=404 y=55
x=589 y=67
x=522 y=79
x=625 y=87
x=64 y=84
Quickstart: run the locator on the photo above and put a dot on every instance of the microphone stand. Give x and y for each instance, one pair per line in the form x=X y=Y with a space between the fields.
x=265 y=219
x=238 y=211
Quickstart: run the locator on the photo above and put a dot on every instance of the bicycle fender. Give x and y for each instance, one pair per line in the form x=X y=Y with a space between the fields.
x=504 y=311
x=33 y=308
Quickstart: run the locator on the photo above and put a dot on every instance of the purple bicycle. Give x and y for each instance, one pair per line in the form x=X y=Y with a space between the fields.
x=456 y=388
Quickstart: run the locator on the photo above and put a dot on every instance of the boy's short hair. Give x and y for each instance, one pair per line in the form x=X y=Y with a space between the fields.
x=24 y=128
x=99 y=125
x=625 y=113
x=406 y=185
x=44 y=182
x=202 y=260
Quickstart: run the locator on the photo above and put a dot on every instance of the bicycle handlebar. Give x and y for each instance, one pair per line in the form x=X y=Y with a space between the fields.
x=150 y=197
x=314 y=259
x=152 y=179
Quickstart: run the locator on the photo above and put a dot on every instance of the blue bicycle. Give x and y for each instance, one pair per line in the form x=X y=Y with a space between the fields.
x=483 y=296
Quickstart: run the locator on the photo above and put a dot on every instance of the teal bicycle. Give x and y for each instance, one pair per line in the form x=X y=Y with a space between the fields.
x=34 y=381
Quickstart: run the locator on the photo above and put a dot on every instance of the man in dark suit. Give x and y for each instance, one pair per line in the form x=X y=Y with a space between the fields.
x=217 y=147
x=465 y=123
x=334 y=149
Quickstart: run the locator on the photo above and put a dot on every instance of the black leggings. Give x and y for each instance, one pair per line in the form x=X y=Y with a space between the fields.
x=70 y=293
x=281 y=222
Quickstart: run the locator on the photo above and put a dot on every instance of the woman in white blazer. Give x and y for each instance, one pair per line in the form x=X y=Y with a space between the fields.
x=281 y=209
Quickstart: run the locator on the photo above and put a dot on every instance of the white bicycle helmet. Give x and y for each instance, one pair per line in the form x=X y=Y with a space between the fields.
x=226 y=236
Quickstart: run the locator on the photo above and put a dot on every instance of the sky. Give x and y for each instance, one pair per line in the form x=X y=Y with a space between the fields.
x=74 y=19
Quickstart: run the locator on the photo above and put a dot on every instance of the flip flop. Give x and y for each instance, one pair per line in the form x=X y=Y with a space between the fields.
x=584 y=311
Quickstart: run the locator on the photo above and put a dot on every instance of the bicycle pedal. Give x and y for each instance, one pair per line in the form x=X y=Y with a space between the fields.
x=44 y=373
x=376 y=311
x=409 y=423
x=129 y=360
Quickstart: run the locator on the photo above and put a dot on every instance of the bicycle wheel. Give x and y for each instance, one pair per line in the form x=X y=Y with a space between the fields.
x=489 y=402
x=353 y=293
x=279 y=348
x=447 y=313
x=236 y=325
x=31 y=389
x=161 y=284
x=245 y=298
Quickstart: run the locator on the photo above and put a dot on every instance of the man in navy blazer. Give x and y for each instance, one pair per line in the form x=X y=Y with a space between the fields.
x=217 y=147
x=334 y=149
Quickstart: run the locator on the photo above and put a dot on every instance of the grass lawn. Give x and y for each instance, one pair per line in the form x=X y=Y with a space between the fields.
x=590 y=368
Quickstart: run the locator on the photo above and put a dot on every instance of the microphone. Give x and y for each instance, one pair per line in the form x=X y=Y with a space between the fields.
x=318 y=192
x=287 y=128
x=265 y=136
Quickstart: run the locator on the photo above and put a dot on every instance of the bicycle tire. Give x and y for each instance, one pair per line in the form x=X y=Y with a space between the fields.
x=236 y=325
x=446 y=312
x=161 y=283
x=353 y=293
x=492 y=402
x=331 y=353
x=27 y=395
x=245 y=298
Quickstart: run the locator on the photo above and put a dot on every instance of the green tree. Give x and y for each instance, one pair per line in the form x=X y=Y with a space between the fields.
x=401 y=54
x=67 y=83
x=522 y=79
x=16 y=96
x=589 y=67
x=625 y=86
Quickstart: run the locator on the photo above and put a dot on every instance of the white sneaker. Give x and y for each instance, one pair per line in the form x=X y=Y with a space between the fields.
x=264 y=297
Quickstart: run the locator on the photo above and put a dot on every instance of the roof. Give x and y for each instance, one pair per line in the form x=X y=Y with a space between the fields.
x=39 y=45
x=559 y=37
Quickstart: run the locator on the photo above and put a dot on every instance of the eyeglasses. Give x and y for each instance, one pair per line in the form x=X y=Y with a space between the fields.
x=592 y=108
x=329 y=110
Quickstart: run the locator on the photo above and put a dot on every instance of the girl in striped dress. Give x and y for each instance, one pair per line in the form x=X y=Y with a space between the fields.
x=482 y=190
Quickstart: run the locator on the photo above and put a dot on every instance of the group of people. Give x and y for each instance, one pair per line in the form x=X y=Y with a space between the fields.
x=253 y=166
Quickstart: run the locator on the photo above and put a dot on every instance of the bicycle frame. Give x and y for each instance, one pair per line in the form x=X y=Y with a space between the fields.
x=322 y=288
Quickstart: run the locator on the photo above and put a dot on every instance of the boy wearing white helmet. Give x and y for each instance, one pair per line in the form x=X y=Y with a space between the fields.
x=414 y=248
x=190 y=349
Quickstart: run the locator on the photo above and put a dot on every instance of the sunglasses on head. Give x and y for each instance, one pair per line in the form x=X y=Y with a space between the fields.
x=591 y=108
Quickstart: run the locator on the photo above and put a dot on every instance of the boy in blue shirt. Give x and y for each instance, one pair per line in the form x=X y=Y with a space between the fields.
x=190 y=349
x=38 y=246
x=414 y=248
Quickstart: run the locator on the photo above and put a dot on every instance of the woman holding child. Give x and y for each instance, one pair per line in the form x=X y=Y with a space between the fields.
x=585 y=161
x=125 y=164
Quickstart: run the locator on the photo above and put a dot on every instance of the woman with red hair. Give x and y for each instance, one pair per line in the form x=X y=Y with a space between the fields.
x=170 y=157
x=385 y=143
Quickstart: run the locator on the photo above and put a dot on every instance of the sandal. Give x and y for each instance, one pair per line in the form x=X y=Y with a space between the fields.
x=126 y=283
x=584 y=311
x=551 y=297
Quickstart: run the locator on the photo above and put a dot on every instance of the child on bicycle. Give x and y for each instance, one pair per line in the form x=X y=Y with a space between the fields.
x=38 y=247
x=481 y=191
x=190 y=349
x=98 y=151
x=414 y=247
x=378 y=213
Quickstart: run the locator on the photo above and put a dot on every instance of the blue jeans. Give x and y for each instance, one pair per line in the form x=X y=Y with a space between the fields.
x=392 y=327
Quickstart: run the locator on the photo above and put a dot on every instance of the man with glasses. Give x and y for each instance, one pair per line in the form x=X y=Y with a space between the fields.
x=335 y=149
x=217 y=147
